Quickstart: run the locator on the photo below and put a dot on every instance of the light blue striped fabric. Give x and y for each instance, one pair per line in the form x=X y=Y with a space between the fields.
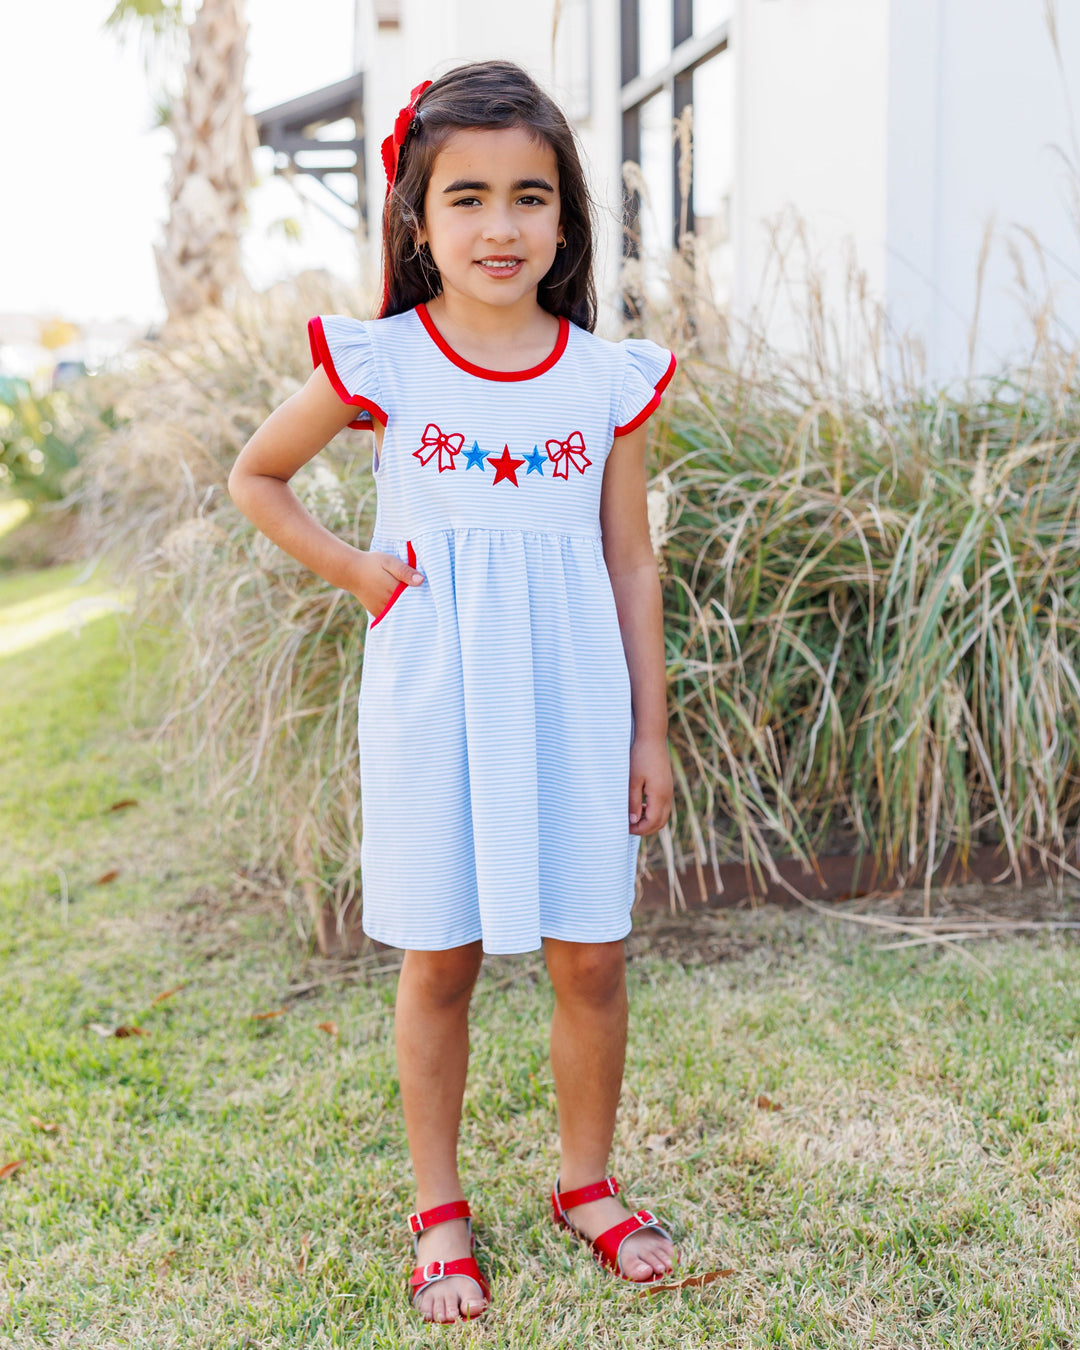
x=494 y=717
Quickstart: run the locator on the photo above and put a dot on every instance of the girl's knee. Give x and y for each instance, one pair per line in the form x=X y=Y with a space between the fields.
x=442 y=978
x=587 y=972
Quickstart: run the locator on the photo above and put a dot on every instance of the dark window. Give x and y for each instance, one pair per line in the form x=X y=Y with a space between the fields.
x=663 y=42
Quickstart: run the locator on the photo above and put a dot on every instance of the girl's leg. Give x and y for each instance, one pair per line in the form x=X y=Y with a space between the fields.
x=588 y=1047
x=431 y=1032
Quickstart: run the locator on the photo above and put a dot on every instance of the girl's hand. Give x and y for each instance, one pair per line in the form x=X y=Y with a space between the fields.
x=650 y=779
x=373 y=578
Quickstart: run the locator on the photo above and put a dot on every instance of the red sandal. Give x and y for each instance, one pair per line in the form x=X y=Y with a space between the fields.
x=422 y=1276
x=608 y=1245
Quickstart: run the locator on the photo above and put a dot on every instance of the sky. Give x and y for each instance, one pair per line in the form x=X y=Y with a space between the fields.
x=85 y=174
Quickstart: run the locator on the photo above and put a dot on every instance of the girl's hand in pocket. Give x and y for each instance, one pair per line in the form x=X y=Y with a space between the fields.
x=374 y=577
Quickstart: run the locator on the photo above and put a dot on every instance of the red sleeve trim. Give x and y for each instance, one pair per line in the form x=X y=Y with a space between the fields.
x=653 y=403
x=320 y=356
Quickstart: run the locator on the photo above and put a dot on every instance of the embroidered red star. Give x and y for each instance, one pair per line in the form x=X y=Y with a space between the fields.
x=506 y=466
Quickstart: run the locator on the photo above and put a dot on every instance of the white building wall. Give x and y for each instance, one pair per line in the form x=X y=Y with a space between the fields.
x=977 y=106
x=811 y=132
x=900 y=130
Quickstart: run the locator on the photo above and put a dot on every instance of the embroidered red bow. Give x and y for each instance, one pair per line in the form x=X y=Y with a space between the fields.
x=564 y=453
x=434 y=442
x=391 y=147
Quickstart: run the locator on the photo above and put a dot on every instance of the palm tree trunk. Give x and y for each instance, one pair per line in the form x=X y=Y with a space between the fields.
x=198 y=263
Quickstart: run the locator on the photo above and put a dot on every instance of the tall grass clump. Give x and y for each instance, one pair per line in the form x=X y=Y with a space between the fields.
x=871 y=620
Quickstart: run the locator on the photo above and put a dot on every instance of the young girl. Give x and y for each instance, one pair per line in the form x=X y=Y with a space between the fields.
x=512 y=717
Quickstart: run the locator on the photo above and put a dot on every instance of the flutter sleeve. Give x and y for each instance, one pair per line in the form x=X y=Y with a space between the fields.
x=649 y=369
x=344 y=348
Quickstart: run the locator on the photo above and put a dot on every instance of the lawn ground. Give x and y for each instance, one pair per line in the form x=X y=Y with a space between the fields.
x=882 y=1147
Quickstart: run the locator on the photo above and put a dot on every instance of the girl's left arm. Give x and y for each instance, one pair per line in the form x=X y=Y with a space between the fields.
x=635 y=581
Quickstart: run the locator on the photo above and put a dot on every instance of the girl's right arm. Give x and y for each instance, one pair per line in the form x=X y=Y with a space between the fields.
x=259 y=485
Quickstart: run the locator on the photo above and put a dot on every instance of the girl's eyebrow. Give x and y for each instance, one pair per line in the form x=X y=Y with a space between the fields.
x=464 y=185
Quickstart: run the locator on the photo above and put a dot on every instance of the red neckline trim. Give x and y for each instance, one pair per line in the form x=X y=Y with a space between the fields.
x=482 y=371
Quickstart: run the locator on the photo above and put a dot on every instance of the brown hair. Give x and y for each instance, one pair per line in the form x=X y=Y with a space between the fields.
x=486 y=95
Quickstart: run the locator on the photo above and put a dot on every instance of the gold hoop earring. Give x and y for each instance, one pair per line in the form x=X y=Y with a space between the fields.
x=560 y=243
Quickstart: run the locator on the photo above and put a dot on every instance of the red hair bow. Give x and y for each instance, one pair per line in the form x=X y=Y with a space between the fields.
x=564 y=453
x=391 y=147
x=447 y=446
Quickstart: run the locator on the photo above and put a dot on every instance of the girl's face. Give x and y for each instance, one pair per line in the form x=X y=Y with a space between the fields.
x=491 y=214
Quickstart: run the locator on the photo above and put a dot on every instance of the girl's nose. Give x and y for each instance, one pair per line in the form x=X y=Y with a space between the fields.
x=499 y=226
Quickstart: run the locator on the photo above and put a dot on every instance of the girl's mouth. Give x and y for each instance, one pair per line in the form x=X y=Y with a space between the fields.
x=500 y=267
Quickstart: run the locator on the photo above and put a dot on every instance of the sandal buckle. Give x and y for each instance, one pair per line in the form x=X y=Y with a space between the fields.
x=414 y=1223
x=434 y=1270
x=612 y=1185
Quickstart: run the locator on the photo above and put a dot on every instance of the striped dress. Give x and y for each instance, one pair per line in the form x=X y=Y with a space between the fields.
x=494 y=715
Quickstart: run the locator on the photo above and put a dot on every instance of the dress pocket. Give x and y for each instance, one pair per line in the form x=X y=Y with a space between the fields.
x=398 y=589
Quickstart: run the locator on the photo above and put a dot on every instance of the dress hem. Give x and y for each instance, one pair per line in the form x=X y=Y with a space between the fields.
x=492 y=951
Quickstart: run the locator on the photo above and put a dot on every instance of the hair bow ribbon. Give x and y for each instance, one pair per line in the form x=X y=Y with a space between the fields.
x=436 y=442
x=564 y=453
x=391 y=147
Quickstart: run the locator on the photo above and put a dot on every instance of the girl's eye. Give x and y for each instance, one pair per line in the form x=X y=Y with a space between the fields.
x=528 y=200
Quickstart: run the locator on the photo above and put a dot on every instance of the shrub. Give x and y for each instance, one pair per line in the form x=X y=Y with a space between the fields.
x=871 y=621
x=40 y=439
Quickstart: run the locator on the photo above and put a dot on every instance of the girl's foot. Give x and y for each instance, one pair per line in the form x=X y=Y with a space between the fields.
x=457 y=1296
x=644 y=1255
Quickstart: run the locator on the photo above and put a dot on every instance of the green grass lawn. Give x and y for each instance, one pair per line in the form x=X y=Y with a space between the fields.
x=223 y=1181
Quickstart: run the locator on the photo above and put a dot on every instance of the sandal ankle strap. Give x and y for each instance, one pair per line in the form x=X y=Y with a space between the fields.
x=428 y=1218
x=597 y=1190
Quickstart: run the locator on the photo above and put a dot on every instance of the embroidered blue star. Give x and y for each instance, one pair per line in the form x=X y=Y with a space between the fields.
x=535 y=461
x=475 y=456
